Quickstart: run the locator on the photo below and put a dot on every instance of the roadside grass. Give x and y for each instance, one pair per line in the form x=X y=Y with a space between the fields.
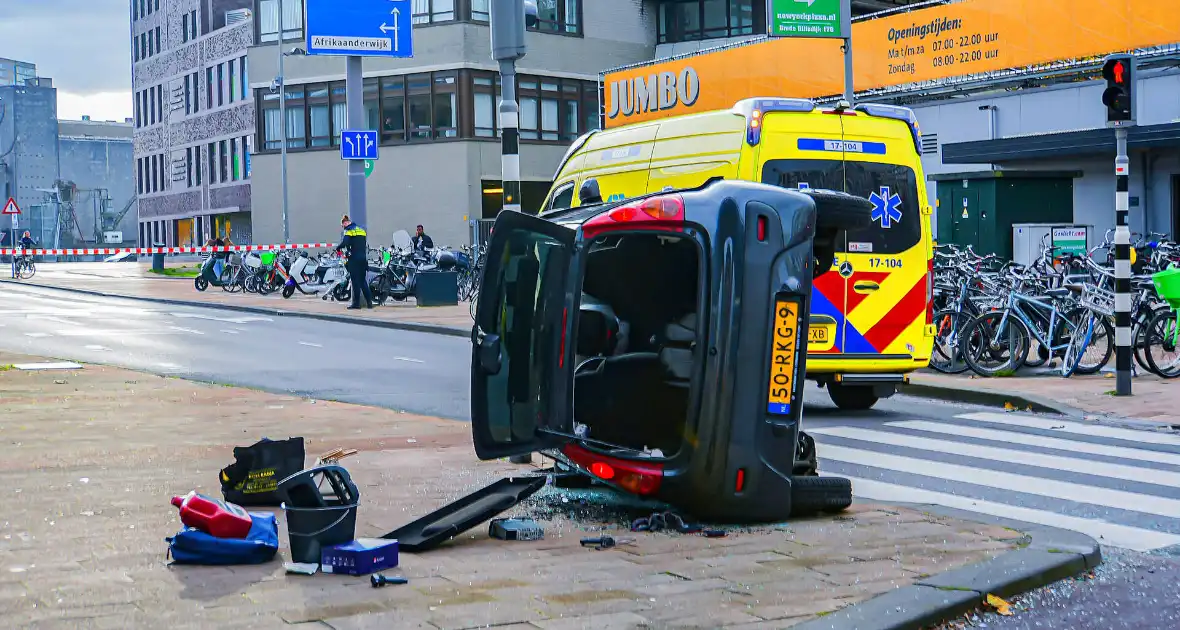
x=178 y=272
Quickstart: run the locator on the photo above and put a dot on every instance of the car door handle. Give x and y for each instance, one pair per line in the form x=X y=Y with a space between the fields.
x=865 y=287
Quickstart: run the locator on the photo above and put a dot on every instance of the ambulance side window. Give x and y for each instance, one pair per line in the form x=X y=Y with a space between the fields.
x=563 y=197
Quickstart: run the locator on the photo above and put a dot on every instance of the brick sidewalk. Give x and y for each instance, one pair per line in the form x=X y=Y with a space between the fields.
x=1154 y=399
x=134 y=280
x=94 y=455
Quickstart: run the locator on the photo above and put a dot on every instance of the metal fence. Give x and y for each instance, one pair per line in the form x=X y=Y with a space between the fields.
x=481 y=230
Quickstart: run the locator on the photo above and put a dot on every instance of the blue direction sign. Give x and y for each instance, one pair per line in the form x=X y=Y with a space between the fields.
x=365 y=28
x=358 y=145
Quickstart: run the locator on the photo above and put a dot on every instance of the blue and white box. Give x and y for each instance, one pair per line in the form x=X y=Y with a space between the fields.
x=359 y=557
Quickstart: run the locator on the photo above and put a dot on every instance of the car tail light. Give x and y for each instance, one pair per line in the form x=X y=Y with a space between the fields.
x=930 y=291
x=761 y=228
x=641 y=478
x=740 y=484
x=665 y=212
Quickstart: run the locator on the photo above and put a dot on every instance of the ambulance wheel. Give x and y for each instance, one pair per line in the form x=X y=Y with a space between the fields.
x=200 y=283
x=814 y=495
x=288 y=290
x=852 y=397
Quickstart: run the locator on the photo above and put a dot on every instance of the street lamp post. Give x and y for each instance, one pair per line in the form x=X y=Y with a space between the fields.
x=283 y=126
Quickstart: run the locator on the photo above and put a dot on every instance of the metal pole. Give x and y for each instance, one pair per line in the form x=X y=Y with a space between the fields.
x=846 y=21
x=1122 y=266
x=510 y=142
x=354 y=96
x=283 y=125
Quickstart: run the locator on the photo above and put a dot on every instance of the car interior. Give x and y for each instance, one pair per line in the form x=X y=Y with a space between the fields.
x=636 y=342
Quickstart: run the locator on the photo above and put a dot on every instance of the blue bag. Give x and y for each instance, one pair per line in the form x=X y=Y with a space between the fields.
x=193 y=546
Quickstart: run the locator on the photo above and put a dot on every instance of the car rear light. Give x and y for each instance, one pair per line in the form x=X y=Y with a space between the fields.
x=635 y=477
x=761 y=228
x=741 y=481
x=663 y=212
x=930 y=291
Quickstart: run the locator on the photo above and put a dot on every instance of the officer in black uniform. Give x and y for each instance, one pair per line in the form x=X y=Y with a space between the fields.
x=356 y=241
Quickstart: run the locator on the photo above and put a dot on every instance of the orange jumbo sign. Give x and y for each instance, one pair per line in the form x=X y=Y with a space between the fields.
x=934 y=43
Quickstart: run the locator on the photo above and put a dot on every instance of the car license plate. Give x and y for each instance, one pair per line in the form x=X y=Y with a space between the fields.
x=783 y=352
x=819 y=334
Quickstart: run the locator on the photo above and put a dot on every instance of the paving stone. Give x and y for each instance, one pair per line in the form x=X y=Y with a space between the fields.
x=610 y=621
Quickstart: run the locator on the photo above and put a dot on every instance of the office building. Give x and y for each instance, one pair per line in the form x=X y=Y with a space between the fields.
x=29 y=153
x=436 y=113
x=194 y=120
x=97 y=164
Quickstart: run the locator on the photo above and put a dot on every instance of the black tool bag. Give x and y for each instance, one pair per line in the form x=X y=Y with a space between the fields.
x=257 y=470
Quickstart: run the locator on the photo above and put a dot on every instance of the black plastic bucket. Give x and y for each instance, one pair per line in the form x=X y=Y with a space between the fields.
x=311 y=529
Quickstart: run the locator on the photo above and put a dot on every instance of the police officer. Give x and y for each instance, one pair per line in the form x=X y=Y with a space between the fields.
x=356 y=240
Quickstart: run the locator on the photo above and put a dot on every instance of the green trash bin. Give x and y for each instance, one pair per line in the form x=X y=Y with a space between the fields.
x=267 y=258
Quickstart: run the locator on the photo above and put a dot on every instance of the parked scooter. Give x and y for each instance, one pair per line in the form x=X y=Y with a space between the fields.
x=208 y=276
x=324 y=276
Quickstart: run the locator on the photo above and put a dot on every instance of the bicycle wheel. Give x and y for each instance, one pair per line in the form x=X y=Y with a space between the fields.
x=988 y=351
x=1139 y=328
x=1097 y=353
x=251 y=284
x=1163 y=336
x=26 y=269
x=946 y=357
x=1080 y=336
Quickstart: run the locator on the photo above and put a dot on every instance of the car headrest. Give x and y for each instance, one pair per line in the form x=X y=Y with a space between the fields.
x=598 y=329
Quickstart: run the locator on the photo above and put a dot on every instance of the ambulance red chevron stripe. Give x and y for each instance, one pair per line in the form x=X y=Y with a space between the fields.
x=107 y=251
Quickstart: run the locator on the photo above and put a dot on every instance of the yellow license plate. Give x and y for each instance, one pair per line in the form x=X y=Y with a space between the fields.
x=819 y=334
x=784 y=346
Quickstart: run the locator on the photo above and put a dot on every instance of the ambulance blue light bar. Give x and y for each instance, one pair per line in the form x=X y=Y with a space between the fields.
x=897 y=113
x=755 y=108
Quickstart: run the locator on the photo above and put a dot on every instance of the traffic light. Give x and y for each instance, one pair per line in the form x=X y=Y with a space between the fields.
x=1120 y=88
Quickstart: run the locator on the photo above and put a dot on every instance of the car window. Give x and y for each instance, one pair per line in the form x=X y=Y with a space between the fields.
x=893 y=189
x=562 y=198
x=527 y=315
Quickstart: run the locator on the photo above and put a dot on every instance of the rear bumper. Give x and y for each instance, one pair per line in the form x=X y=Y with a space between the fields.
x=820 y=364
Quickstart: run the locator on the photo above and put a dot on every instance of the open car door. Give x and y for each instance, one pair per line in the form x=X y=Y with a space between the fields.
x=521 y=377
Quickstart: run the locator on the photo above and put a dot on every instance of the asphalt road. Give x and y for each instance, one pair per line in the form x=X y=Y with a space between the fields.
x=1118 y=485
x=415 y=372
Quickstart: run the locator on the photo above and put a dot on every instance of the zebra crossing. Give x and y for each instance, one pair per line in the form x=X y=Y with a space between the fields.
x=1120 y=486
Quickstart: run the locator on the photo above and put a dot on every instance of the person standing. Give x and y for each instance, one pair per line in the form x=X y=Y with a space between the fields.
x=356 y=241
x=422 y=241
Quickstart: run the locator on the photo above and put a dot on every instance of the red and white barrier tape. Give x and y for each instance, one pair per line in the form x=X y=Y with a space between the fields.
x=6 y=251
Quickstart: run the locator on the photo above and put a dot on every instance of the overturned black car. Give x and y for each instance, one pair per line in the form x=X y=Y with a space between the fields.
x=659 y=344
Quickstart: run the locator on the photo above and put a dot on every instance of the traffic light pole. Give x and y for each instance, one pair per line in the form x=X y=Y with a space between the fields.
x=510 y=140
x=1122 y=265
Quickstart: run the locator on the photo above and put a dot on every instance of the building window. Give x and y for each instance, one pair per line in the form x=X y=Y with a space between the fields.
x=184 y=27
x=559 y=16
x=188 y=95
x=243 y=88
x=139 y=176
x=235 y=167
x=393 y=109
x=188 y=165
x=485 y=88
x=220 y=84
x=551 y=109
x=223 y=161
x=209 y=88
x=446 y=110
x=212 y=162
x=192 y=21
x=320 y=112
x=481 y=11
x=418 y=104
x=196 y=92
x=433 y=11
x=268 y=20
x=197 y=159
x=160 y=101
x=269 y=120
x=159 y=41
x=707 y=19
x=247 y=150
x=155 y=174
x=296 y=123
x=232 y=83
x=135 y=48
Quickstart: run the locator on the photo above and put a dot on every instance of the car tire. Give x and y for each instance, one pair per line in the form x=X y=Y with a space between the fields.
x=840 y=211
x=852 y=397
x=815 y=495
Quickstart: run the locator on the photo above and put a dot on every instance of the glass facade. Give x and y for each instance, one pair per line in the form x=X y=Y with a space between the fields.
x=695 y=20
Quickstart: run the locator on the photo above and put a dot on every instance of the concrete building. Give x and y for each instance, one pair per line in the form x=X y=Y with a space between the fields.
x=440 y=156
x=29 y=153
x=194 y=120
x=97 y=161
x=13 y=72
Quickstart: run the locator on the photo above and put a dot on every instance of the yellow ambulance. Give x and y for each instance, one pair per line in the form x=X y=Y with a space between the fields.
x=871 y=319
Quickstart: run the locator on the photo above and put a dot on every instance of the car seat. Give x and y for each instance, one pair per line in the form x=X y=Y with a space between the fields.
x=676 y=353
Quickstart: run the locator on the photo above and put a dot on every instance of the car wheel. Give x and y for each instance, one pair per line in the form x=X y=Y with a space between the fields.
x=836 y=210
x=813 y=495
x=852 y=397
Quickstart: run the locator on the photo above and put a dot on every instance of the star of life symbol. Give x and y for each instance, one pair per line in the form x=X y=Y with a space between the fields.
x=886 y=207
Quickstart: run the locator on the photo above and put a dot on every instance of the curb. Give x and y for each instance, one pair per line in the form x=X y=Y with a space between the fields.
x=435 y=329
x=1051 y=555
x=989 y=398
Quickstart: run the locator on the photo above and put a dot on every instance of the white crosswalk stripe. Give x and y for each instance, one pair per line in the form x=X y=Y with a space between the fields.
x=1119 y=485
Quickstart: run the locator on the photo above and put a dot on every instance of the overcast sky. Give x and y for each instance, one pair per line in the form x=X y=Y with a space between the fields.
x=83 y=45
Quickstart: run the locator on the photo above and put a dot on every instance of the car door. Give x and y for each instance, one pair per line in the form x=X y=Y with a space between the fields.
x=521 y=377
